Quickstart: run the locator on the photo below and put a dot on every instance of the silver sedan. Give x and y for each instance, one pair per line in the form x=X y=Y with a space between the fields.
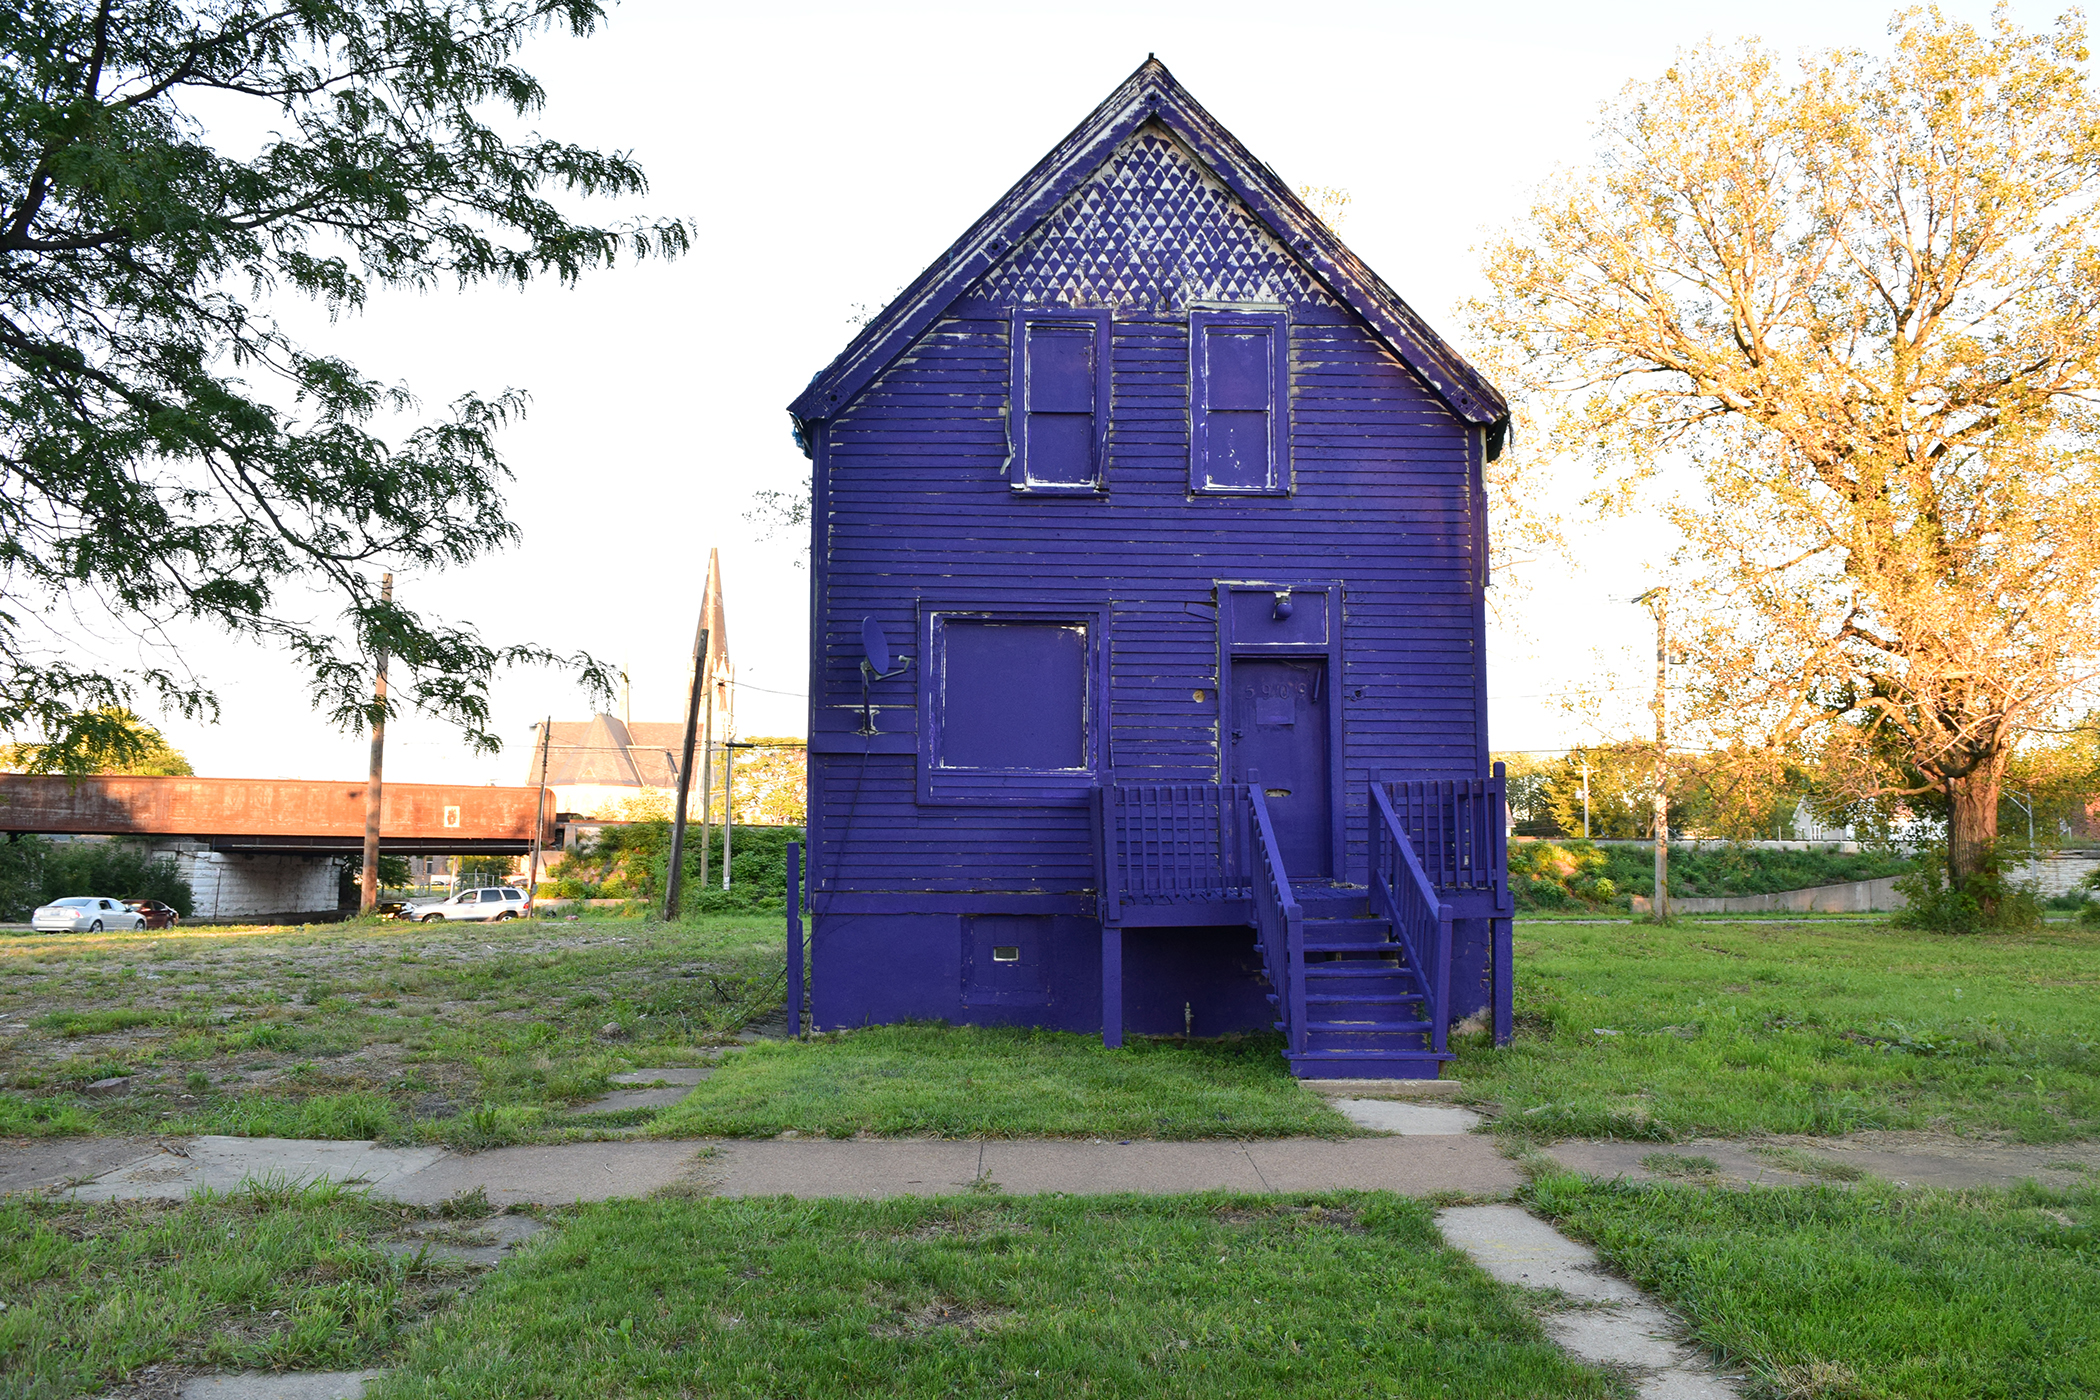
x=84 y=914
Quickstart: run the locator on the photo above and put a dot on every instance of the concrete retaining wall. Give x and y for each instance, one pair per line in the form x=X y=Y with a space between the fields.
x=2052 y=875
x=1854 y=897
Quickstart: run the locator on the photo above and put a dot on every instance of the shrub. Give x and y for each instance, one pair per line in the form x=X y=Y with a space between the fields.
x=35 y=871
x=629 y=862
x=1986 y=902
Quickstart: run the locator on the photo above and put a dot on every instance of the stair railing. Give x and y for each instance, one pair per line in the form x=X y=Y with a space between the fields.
x=1401 y=891
x=1278 y=920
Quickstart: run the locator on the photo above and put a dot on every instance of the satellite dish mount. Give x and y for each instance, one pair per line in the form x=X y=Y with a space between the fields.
x=874 y=666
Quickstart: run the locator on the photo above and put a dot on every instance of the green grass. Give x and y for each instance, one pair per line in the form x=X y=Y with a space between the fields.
x=265 y=1278
x=1185 y=1296
x=964 y=1081
x=1741 y=1029
x=396 y=1031
x=1865 y=1293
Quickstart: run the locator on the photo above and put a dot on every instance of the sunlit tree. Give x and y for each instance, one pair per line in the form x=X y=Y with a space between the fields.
x=1845 y=311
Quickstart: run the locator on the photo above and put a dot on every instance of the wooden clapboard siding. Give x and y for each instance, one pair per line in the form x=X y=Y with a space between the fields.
x=918 y=506
x=915 y=508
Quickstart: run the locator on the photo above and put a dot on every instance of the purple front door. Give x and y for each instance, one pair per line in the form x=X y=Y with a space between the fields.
x=1279 y=741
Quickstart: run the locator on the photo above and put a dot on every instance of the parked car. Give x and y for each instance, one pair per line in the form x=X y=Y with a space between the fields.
x=473 y=906
x=84 y=914
x=156 y=914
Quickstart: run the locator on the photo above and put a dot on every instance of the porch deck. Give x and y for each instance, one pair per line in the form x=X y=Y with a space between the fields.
x=1360 y=975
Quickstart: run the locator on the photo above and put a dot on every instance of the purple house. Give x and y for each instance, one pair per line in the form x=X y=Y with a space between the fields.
x=1147 y=689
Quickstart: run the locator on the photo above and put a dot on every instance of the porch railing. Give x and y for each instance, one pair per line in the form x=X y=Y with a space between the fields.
x=1456 y=824
x=1164 y=843
x=1278 y=921
x=1401 y=891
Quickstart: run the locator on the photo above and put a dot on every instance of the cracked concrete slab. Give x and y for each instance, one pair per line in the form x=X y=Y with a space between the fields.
x=37 y=1163
x=695 y=1074
x=1909 y=1159
x=1106 y=1168
x=622 y=1100
x=1517 y=1247
x=222 y=1163
x=819 y=1167
x=1619 y=1326
x=551 y=1176
x=1408 y=1119
x=814 y=1167
x=1410 y=1166
x=289 y=1385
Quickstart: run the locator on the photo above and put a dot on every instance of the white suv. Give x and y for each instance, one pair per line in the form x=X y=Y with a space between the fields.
x=474 y=906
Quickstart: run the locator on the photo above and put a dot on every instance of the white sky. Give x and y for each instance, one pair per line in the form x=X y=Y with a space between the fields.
x=828 y=152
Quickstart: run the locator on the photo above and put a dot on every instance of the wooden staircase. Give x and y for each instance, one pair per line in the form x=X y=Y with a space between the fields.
x=1366 y=1004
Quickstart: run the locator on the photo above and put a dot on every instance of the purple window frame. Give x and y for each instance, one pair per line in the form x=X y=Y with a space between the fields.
x=1276 y=325
x=1052 y=787
x=1018 y=411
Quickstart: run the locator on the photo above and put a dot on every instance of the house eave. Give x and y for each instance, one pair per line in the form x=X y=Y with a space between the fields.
x=1150 y=94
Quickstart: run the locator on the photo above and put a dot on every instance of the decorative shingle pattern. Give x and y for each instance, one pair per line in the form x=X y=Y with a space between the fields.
x=1150 y=231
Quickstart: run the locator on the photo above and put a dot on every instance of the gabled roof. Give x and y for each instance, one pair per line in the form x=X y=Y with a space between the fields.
x=602 y=751
x=1152 y=95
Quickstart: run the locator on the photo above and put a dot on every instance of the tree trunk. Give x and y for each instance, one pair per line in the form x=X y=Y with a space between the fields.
x=1972 y=821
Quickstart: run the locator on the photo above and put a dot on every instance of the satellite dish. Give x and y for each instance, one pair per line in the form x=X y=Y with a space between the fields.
x=875 y=645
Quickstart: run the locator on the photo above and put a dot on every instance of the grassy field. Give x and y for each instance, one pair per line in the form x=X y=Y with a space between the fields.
x=265 y=1278
x=1728 y=1029
x=965 y=1082
x=1185 y=1296
x=489 y=1034
x=1866 y=1293
x=469 y=1034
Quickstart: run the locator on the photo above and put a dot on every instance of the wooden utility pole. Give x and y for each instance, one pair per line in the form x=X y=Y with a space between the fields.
x=1658 y=601
x=728 y=804
x=539 y=814
x=368 y=886
x=674 y=877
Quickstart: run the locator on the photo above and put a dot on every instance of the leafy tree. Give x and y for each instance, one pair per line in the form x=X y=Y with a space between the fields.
x=486 y=870
x=394 y=874
x=35 y=871
x=170 y=451
x=111 y=739
x=772 y=783
x=1860 y=298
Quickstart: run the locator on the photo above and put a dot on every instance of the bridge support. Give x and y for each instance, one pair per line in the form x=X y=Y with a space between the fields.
x=236 y=887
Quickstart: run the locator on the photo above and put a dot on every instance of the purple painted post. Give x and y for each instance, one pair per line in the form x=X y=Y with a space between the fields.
x=794 y=939
x=1502 y=929
x=1112 y=986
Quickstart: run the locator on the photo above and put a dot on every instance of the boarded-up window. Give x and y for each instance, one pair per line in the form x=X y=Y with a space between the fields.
x=1011 y=701
x=1060 y=399
x=1239 y=401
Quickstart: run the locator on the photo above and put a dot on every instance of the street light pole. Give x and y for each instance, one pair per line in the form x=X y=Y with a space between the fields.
x=1657 y=600
x=2026 y=805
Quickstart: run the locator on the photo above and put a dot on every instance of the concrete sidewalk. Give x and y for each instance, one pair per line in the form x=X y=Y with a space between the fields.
x=1413 y=1166
x=808 y=1168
